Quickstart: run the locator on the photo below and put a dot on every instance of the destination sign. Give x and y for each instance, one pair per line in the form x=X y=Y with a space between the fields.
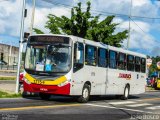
x=49 y=39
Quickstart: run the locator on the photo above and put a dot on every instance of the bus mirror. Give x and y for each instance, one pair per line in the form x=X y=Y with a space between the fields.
x=78 y=55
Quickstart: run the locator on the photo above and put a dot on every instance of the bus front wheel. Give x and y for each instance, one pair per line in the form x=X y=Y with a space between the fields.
x=85 y=94
x=44 y=96
x=126 y=93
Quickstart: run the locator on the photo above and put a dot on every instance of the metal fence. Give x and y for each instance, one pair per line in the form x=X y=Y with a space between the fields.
x=8 y=67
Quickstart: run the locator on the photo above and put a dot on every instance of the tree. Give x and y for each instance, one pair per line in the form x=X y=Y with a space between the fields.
x=153 y=67
x=83 y=24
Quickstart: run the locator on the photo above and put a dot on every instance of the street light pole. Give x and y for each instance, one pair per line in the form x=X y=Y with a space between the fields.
x=32 y=19
x=20 y=44
x=129 y=26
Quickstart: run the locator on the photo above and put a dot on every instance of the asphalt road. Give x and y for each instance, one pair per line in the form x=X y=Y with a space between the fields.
x=144 y=106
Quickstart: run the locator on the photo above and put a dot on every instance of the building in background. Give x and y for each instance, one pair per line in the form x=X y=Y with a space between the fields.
x=9 y=50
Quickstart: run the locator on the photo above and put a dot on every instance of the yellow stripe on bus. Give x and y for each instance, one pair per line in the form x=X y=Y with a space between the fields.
x=46 y=82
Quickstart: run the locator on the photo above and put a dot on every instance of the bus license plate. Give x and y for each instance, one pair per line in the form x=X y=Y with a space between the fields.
x=39 y=82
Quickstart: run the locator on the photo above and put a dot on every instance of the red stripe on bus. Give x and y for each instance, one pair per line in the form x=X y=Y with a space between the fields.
x=51 y=89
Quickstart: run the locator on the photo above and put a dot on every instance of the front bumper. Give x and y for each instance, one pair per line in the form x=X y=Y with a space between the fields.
x=50 y=89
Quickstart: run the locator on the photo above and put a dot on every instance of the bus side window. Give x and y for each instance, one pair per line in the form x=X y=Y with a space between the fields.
x=90 y=55
x=112 y=59
x=102 y=57
x=137 y=64
x=78 y=64
x=130 y=62
x=143 y=65
x=121 y=64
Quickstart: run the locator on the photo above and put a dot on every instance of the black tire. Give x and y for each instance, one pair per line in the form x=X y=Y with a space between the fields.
x=126 y=93
x=118 y=96
x=85 y=94
x=24 y=94
x=44 y=96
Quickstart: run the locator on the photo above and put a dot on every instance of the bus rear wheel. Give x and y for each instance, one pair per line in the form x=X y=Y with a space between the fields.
x=44 y=96
x=126 y=93
x=85 y=94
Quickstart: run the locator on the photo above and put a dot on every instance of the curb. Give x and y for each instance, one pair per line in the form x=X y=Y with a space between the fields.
x=8 y=76
x=9 y=71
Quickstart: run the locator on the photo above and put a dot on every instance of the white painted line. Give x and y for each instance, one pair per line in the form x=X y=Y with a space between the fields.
x=153 y=107
x=138 y=100
x=118 y=108
x=138 y=105
x=121 y=103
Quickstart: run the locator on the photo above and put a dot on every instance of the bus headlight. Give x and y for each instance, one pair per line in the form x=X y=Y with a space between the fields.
x=27 y=81
x=63 y=84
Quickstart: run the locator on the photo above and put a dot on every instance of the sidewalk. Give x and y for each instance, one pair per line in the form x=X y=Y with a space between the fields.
x=8 y=71
x=7 y=87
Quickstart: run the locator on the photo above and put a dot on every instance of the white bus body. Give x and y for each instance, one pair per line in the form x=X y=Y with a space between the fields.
x=103 y=79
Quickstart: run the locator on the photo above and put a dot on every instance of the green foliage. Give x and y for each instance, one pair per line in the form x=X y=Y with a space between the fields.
x=37 y=31
x=153 y=67
x=7 y=78
x=83 y=24
x=8 y=95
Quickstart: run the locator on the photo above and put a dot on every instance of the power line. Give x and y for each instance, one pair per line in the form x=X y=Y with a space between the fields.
x=3 y=0
x=138 y=26
x=104 y=12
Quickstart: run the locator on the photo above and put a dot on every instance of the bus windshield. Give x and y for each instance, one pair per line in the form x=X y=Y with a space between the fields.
x=48 y=58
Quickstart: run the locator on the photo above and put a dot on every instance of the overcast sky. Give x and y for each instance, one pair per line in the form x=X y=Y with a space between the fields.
x=145 y=32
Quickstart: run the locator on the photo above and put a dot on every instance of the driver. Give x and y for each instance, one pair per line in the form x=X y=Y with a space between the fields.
x=50 y=57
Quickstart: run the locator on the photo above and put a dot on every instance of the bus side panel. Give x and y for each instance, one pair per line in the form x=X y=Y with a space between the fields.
x=113 y=83
x=139 y=83
x=97 y=77
x=117 y=80
x=94 y=75
x=77 y=82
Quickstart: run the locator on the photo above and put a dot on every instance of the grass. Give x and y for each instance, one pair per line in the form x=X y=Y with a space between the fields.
x=150 y=88
x=7 y=78
x=9 y=95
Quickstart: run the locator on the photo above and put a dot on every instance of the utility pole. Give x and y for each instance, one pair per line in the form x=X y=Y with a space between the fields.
x=32 y=18
x=129 y=26
x=20 y=44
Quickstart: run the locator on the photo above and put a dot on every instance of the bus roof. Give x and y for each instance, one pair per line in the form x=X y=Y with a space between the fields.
x=97 y=44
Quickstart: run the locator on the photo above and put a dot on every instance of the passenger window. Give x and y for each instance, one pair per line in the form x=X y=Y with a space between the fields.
x=90 y=53
x=78 y=64
x=112 y=59
x=130 y=62
x=102 y=57
x=137 y=64
x=121 y=61
x=143 y=65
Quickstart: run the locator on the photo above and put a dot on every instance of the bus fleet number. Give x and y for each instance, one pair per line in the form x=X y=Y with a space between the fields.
x=38 y=82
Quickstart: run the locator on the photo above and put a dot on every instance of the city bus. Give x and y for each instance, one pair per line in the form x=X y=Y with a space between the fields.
x=73 y=66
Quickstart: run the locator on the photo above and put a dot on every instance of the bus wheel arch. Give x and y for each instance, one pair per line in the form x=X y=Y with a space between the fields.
x=84 y=97
x=126 y=92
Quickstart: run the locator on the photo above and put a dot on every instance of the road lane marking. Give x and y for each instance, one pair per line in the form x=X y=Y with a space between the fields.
x=150 y=99
x=138 y=105
x=119 y=108
x=153 y=107
x=37 y=107
x=121 y=103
